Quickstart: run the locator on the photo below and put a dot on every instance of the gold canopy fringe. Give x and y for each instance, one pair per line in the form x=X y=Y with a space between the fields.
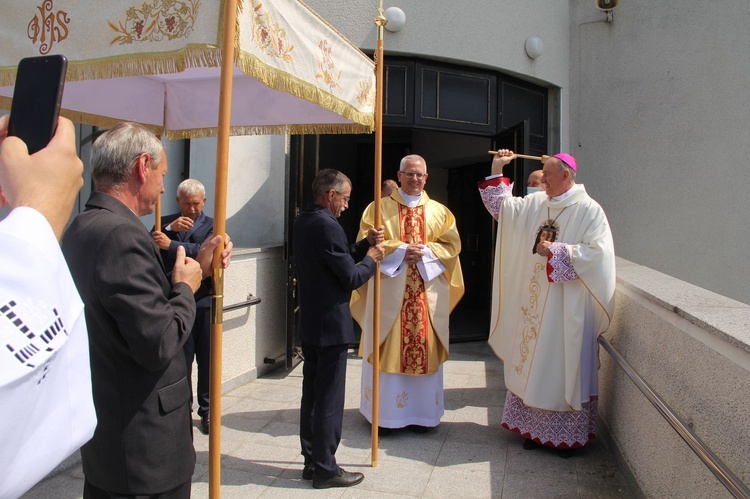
x=145 y=63
x=195 y=133
x=286 y=82
x=207 y=56
x=103 y=121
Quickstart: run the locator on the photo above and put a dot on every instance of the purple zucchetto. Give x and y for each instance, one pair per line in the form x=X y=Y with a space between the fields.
x=568 y=159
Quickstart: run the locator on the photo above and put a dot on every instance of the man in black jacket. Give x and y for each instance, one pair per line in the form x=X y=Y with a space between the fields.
x=138 y=320
x=190 y=228
x=327 y=273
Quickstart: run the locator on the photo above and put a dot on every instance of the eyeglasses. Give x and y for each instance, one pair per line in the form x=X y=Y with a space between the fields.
x=418 y=175
x=346 y=198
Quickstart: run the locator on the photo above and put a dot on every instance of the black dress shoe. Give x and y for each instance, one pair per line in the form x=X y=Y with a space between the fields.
x=341 y=479
x=384 y=432
x=529 y=444
x=308 y=471
x=417 y=428
x=204 y=424
x=565 y=453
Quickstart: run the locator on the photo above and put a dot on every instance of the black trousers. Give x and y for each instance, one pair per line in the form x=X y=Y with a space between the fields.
x=91 y=491
x=322 y=408
x=198 y=345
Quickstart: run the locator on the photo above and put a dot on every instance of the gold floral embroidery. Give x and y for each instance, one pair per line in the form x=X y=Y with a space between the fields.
x=530 y=317
x=48 y=27
x=368 y=393
x=269 y=36
x=365 y=93
x=402 y=399
x=155 y=21
x=327 y=67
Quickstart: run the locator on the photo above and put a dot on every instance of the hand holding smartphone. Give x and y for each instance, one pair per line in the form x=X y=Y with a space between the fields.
x=37 y=96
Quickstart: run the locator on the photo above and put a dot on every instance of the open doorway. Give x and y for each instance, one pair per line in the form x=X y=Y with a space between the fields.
x=455 y=162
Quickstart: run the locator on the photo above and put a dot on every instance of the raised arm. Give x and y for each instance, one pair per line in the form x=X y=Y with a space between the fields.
x=495 y=189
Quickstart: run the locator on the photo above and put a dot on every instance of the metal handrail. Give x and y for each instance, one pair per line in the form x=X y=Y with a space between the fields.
x=717 y=467
x=251 y=300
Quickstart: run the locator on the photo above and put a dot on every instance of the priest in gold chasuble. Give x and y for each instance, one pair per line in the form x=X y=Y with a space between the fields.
x=421 y=283
x=553 y=294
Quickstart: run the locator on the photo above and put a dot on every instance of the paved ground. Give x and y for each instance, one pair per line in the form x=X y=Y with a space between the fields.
x=468 y=455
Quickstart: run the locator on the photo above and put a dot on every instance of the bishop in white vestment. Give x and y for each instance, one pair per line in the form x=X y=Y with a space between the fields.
x=553 y=295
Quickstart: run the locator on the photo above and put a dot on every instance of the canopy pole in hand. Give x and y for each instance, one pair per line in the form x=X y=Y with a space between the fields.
x=380 y=22
x=220 y=221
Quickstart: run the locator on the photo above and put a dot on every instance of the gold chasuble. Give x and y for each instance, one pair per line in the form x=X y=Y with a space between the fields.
x=414 y=313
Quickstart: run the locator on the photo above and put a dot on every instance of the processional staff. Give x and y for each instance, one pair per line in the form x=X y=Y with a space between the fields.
x=543 y=158
x=380 y=22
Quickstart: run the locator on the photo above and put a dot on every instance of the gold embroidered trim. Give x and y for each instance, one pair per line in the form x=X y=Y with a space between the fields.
x=402 y=400
x=531 y=317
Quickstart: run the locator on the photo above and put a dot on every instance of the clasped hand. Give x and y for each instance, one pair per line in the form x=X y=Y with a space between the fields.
x=414 y=253
x=543 y=248
x=376 y=236
x=181 y=224
x=192 y=271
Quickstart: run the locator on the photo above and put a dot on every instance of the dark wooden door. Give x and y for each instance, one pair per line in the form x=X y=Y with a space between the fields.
x=303 y=165
x=470 y=320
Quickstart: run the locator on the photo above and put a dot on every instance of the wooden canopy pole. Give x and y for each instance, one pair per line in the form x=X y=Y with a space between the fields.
x=157 y=214
x=157 y=208
x=220 y=221
x=380 y=21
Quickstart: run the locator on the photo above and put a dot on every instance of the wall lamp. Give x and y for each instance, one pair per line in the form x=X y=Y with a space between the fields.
x=534 y=47
x=396 y=19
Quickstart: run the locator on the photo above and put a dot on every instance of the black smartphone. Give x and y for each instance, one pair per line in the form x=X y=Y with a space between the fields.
x=37 y=96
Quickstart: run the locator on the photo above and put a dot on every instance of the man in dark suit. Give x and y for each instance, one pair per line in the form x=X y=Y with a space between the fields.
x=137 y=322
x=326 y=275
x=190 y=228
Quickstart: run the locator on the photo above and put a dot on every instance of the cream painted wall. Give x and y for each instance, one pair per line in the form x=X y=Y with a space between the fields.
x=256 y=187
x=660 y=124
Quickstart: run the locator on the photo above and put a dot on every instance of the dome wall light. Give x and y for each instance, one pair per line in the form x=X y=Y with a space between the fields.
x=534 y=47
x=396 y=19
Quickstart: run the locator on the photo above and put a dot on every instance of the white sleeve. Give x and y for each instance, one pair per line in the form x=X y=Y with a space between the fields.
x=494 y=195
x=393 y=264
x=45 y=372
x=430 y=266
